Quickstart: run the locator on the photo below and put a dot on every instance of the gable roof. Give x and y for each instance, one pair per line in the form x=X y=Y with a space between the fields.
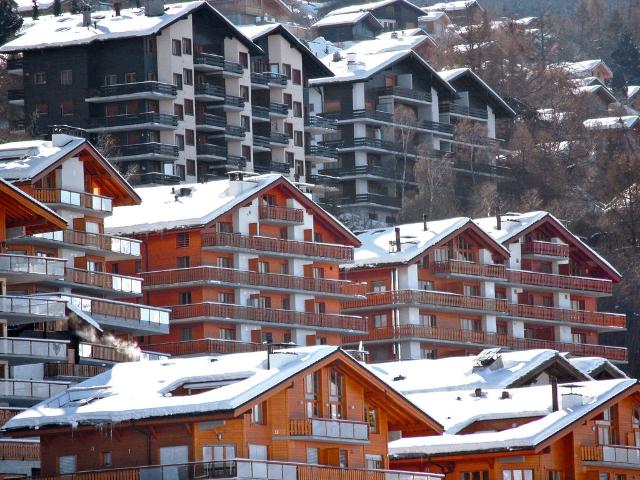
x=455 y=6
x=514 y=225
x=139 y=390
x=67 y=29
x=594 y=366
x=612 y=123
x=415 y=241
x=349 y=18
x=583 y=68
x=22 y=162
x=374 y=6
x=458 y=73
x=632 y=91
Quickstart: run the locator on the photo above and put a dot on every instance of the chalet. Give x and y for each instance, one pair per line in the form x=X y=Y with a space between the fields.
x=434 y=23
x=614 y=124
x=586 y=68
x=460 y=12
x=351 y=26
x=297 y=413
x=633 y=99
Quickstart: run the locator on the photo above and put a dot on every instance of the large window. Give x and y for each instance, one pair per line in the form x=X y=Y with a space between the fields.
x=479 y=475
x=311 y=394
x=525 y=474
x=66 y=77
x=176 y=48
x=371 y=414
x=257 y=414
x=336 y=393
x=67 y=464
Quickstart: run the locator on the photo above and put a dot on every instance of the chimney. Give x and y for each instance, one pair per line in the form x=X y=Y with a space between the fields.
x=554 y=394
x=351 y=58
x=154 y=8
x=505 y=395
x=116 y=7
x=424 y=222
x=398 y=243
x=394 y=34
x=86 y=15
x=337 y=57
x=477 y=392
x=498 y=219
x=571 y=400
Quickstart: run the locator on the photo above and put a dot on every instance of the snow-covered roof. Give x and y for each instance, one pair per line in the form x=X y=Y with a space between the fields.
x=370 y=6
x=612 y=123
x=321 y=47
x=451 y=6
x=433 y=15
x=67 y=29
x=551 y=115
x=407 y=32
x=456 y=410
x=348 y=18
x=591 y=365
x=462 y=373
x=138 y=390
x=583 y=68
x=632 y=91
x=388 y=42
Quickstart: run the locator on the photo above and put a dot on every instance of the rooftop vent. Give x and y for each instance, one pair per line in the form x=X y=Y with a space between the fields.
x=351 y=58
x=398 y=378
x=477 y=393
x=394 y=34
x=505 y=395
x=337 y=57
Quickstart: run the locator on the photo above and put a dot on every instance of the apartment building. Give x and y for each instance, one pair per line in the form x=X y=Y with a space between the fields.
x=240 y=262
x=310 y=412
x=70 y=321
x=457 y=286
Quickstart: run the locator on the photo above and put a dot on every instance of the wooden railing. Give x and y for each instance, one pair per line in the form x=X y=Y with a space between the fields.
x=601 y=319
x=470 y=268
x=284 y=214
x=99 y=241
x=6 y=413
x=207 y=273
x=276 y=245
x=619 y=454
x=566 y=282
x=33 y=347
x=268 y=315
x=52 y=370
x=122 y=311
x=483 y=339
x=34 y=265
x=76 y=199
x=328 y=428
x=107 y=353
x=426 y=297
x=16 y=450
x=108 y=281
x=205 y=346
x=299 y=427
x=545 y=248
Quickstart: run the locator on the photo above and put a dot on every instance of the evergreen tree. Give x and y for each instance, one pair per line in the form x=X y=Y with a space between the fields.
x=74 y=6
x=57 y=8
x=626 y=55
x=10 y=21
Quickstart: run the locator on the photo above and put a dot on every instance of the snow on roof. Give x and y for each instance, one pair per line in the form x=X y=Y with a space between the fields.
x=632 y=90
x=321 y=47
x=611 y=123
x=522 y=402
x=27 y=5
x=68 y=29
x=589 y=365
x=161 y=210
x=451 y=6
x=138 y=390
x=369 y=6
x=458 y=373
x=583 y=68
x=348 y=18
x=254 y=31
x=387 y=42
x=550 y=115
x=434 y=15
x=24 y=160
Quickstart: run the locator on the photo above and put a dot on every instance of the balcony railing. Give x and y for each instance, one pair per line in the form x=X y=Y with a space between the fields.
x=7 y=413
x=618 y=454
x=234 y=131
x=256 y=279
x=384 y=200
x=268 y=315
x=564 y=282
x=259 y=78
x=276 y=78
x=17 y=450
x=104 y=280
x=233 y=101
x=72 y=370
x=92 y=351
x=155 y=118
x=38 y=307
x=546 y=248
x=372 y=170
x=427 y=297
x=61 y=196
x=464 y=110
x=276 y=245
x=481 y=339
x=150 y=149
x=457 y=267
x=232 y=67
x=33 y=347
x=46 y=266
x=320 y=151
x=328 y=428
x=609 y=320
x=100 y=241
x=278 y=108
x=14 y=64
x=284 y=214
x=260 y=141
x=30 y=389
x=137 y=88
x=260 y=112
x=153 y=178
x=210 y=90
x=15 y=95
x=209 y=120
x=205 y=346
x=241 y=468
x=209 y=60
x=277 y=137
x=129 y=313
x=315 y=121
x=211 y=150
x=405 y=93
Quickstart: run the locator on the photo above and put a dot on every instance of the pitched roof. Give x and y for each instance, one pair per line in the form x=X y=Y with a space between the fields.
x=612 y=123
x=349 y=18
x=583 y=68
x=433 y=15
x=632 y=91
x=451 y=6
x=67 y=29
x=374 y=6
x=592 y=366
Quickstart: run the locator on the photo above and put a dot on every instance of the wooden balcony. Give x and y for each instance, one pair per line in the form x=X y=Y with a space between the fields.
x=545 y=249
x=104 y=282
x=241 y=468
x=469 y=269
x=566 y=315
x=276 y=214
x=613 y=455
x=270 y=316
x=598 y=286
x=70 y=199
x=277 y=247
x=327 y=429
x=72 y=370
x=20 y=450
x=26 y=268
x=426 y=299
x=104 y=353
x=479 y=339
x=26 y=350
x=205 y=346
x=7 y=413
x=262 y=281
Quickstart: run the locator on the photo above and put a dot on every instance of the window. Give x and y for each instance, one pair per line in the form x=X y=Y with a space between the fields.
x=578 y=305
x=244 y=92
x=318 y=272
x=138 y=266
x=297 y=77
x=298 y=138
x=311 y=393
x=471 y=291
x=225 y=297
x=554 y=475
x=130 y=77
x=578 y=337
x=297 y=109
x=286 y=69
x=243 y=59
x=40 y=78
x=111 y=79
x=224 y=227
x=319 y=307
x=380 y=320
x=178 y=111
x=177 y=80
x=115 y=268
x=289 y=158
x=288 y=129
x=480 y=475
x=288 y=100
x=186 y=334
x=246 y=152
x=373 y=462
x=66 y=107
x=606 y=427
x=187 y=76
x=245 y=122
x=190 y=137
x=191 y=167
x=42 y=108
x=336 y=392
x=186 y=46
x=184 y=262
x=263 y=267
x=152 y=77
x=227 y=334
x=176 y=47
x=188 y=106
x=343 y=458
x=180 y=141
x=427 y=320
x=106 y=459
x=257 y=414
x=470 y=325
x=371 y=414
x=182 y=239
x=517 y=474
x=425 y=285
x=66 y=77
x=427 y=353
x=67 y=464
x=151 y=45
x=463 y=250
x=378 y=286
x=312 y=456
x=184 y=298
x=218 y=453
x=267 y=337
x=223 y=262
x=317 y=237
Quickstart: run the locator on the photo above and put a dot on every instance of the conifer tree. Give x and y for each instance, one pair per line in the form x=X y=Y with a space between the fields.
x=10 y=21
x=57 y=8
x=626 y=55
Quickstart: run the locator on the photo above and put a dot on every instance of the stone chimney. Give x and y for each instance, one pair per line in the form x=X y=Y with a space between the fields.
x=86 y=15
x=154 y=8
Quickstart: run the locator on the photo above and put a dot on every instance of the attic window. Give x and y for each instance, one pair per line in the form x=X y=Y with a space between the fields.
x=193 y=387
